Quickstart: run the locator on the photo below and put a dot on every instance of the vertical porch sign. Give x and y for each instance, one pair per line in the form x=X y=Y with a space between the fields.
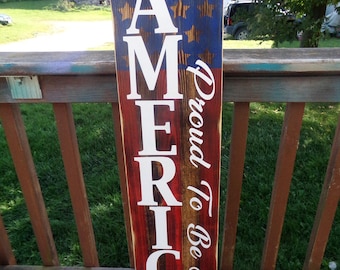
x=169 y=77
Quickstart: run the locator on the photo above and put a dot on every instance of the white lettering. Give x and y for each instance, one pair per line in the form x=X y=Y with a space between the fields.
x=196 y=203
x=195 y=252
x=160 y=10
x=196 y=157
x=202 y=237
x=147 y=109
x=203 y=72
x=197 y=236
x=151 y=263
x=161 y=227
x=136 y=47
x=147 y=181
x=210 y=81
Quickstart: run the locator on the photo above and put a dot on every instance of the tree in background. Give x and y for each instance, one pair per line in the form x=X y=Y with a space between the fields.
x=284 y=19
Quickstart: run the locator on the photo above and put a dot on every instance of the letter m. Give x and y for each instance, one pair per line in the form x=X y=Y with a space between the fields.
x=137 y=50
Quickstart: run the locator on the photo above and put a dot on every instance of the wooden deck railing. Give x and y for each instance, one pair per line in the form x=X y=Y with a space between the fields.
x=293 y=76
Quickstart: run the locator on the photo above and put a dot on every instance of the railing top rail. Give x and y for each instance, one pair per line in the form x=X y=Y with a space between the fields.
x=252 y=75
x=236 y=61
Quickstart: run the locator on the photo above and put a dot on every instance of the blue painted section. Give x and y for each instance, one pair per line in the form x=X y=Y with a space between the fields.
x=190 y=17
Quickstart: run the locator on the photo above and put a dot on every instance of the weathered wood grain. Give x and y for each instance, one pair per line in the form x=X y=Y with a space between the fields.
x=6 y=253
x=276 y=75
x=166 y=111
x=328 y=205
x=74 y=173
x=289 y=142
x=235 y=178
x=279 y=75
x=23 y=161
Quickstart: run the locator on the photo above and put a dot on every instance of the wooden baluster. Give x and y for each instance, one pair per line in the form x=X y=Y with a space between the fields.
x=235 y=177
x=327 y=207
x=284 y=170
x=123 y=182
x=21 y=154
x=6 y=254
x=71 y=157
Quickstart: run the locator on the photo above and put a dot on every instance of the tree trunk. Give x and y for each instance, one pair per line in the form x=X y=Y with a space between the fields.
x=311 y=35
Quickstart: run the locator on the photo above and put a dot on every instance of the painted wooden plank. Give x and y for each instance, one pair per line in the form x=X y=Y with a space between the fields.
x=21 y=154
x=122 y=178
x=169 y=76
x=282 y=60
x=235 y=178
x=283 y=175
x=6 y=254
x=74 y=173
x=259 y=88
x=328 y=205
x=24 y=87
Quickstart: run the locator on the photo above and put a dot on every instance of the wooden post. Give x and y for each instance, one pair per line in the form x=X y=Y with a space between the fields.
x=23 y=162
x=169 y=75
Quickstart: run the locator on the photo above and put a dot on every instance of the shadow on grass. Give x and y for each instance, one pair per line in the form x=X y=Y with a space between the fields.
x=311 y=162
x=97 y=147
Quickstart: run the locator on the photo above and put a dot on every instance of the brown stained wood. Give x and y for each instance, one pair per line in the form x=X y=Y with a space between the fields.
x=6 y=254
x=21 y=154
x=327 y=207
x=306 y=60
x=235 y=177
x=259 y=88
x=172 y=176
x=123 y=181
x=284 y=170
x=57 y=63
x=74 y=173
x=89 y=88
x=281 y=75
x=287 y=75
x=286 y=88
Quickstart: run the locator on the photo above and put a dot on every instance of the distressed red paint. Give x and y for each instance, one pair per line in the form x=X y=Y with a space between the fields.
x=170 y=105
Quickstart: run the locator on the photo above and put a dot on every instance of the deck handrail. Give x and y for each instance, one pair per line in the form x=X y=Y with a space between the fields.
x=294 y=76
x=260 y=73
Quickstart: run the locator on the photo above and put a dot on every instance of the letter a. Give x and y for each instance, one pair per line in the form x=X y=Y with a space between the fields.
x=160 y=10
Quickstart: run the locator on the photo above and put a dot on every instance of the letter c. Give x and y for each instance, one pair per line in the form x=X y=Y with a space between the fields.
x=151 y=263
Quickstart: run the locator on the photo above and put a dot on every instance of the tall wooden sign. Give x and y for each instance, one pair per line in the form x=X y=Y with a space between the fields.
x=169 y=74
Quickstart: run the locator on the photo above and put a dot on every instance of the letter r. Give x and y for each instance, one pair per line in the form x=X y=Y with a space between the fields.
x=147 y=181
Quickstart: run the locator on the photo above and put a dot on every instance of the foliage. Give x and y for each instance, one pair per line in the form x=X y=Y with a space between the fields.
x=64 y=5
x=273 y=18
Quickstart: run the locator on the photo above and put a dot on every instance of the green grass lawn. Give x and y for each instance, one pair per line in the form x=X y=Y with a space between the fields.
x=96 y=140
x=31 y=18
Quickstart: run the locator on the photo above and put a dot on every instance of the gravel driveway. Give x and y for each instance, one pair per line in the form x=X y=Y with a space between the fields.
x=68 y=36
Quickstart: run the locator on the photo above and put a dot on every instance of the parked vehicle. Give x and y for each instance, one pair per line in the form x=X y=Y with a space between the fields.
x=234 y=26
x=5 y=19
x=238 y=12
x=331 y=22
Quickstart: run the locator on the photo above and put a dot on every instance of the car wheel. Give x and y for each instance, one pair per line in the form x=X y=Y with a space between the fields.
x=242 y=34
